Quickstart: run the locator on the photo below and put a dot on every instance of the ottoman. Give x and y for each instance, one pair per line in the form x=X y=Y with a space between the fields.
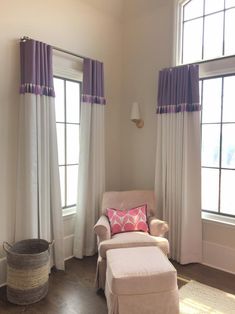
x=140 y=280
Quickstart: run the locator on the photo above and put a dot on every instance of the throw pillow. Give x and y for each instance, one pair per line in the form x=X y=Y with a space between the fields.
x=134 y=219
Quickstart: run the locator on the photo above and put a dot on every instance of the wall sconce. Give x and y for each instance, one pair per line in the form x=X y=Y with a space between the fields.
x=135 y=115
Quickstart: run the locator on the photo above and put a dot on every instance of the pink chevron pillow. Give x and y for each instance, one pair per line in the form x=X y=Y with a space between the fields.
x=134 y=219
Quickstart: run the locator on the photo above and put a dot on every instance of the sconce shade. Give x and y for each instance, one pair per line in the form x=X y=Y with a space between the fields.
x=135 y=115
x=135 y=112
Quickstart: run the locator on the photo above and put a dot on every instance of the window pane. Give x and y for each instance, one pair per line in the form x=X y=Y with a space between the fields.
x=62 y=185
x=72 y=176
x=229 y=32
x=213 y=6
x=72 y=102
x=193 y=9
x=229 y=3
x=229 y=99
x=210 y=145
x=72 y=143
x=60 y=143
x=228 y=146
x=212 y=100
x=59 y=99
x=213 y=36
x=227 y=204
x=210 y=189
x=192 y=41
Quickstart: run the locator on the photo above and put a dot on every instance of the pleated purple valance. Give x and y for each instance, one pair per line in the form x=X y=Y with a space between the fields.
x=36 y=68
x=93 y=82
x=178 y=89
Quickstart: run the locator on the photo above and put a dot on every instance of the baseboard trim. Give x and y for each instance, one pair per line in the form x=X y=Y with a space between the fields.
x=219 y=268
x=69 y=257
x=219 y=256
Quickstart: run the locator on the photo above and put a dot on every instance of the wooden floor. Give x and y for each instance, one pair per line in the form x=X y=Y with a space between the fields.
x=72 y=291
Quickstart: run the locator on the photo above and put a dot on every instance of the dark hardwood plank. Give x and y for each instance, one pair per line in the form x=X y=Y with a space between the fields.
x=73 y=292
x=206 y=275
x=70 y=292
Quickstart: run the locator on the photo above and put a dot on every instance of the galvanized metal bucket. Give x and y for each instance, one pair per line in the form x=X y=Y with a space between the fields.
x=28 y=264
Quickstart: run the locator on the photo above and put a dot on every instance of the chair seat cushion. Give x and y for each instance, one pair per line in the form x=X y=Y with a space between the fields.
x=142 y=270
x=133 y=239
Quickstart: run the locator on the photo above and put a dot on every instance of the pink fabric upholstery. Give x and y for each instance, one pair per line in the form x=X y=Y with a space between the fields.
x=157 y=227
x=102 y=229
x=127 y=200
x=132 y=239
x=148 y=285
x=134 y=219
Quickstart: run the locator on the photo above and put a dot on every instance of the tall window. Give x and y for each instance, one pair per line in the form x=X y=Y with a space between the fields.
x=207 y=32
x=207 y=29
x=67 y=103
x=218 y=145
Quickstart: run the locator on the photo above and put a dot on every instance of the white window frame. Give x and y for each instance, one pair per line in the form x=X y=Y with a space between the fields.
x=70 y=68
x=68 y=210
x=224 y=65
x=179 y=31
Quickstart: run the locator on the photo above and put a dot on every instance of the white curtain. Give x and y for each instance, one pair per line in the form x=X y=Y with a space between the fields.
x=178 y=182
x=38 y=204
x=178 y=161
x=91 y=178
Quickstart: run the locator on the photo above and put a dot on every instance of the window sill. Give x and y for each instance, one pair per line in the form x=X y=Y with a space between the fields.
x=68 y=212
x=218 y=219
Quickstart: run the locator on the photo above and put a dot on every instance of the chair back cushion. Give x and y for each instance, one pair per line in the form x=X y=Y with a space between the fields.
x=128 y=199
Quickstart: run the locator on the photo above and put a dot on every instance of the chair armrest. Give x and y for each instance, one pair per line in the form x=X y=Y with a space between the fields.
x=102 y=229
x=157 y=227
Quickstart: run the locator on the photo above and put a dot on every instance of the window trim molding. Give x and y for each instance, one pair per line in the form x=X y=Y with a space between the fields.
x=178 y=36
x=215 y=218
x=207 y=214
x=69 y=211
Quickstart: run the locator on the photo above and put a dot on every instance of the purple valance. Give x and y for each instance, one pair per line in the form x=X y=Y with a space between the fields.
x=93 y=82
x=178 y=89
x=36 y=68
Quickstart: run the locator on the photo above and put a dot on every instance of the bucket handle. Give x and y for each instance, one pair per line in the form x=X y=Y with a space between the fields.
x=6 y=246
x=51 y=244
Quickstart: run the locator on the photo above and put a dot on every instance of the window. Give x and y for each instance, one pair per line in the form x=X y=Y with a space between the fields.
x=218 y=144
x=67 y=104
x=207 y=29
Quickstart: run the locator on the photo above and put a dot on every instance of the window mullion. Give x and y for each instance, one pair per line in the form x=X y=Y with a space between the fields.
x=182 y=39
x=223 y=48
x=65 y=145
x=221 y=142
x=203 y=29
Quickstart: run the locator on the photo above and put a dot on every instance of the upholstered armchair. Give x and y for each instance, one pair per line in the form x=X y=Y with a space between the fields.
x=127 y=200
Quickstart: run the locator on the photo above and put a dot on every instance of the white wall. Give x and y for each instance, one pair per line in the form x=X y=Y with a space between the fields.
x=219 y=245
x=76 y=25
x=147 y=48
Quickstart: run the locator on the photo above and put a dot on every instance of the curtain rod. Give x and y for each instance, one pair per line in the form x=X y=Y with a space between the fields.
x=25 y=38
